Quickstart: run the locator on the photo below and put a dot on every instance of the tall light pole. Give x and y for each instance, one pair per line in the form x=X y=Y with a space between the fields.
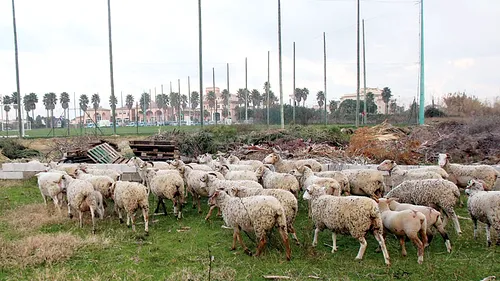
x=200 y=55
x=365 y=113
x=113 y=98
x=267 y=87
x=358 y=70
x=21 y=127
x=421 y=117
x=324 y=73
x=282 y=112
x=294 y=98
x=246 y=91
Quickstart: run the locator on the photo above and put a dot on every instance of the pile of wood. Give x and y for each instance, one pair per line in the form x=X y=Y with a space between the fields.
x=150 y=150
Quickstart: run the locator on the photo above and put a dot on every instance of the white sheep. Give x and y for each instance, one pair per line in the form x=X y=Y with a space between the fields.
x=285 y=166
x=366 y=182
x=192 y=179
x=232 y=159
x=354 y=215
x=130 y=196
x=237 y=175
x=258 y=214
x=307 y=178
x=287 y=200
x=341 y=178
x=485 y=207
x=100 y=183
x=399 y=175
x=276 y=180
x=437 y=193
x=462 y=174
x=168 y=186
x=202 y=167
x=211 y=182
x=51 y=185
x=82 y=197
x=405 y=223
x=432 y=216
x=70 y=169
x=115 y=175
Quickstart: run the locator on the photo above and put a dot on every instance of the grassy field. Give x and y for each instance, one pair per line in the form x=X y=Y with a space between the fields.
x=38 y=246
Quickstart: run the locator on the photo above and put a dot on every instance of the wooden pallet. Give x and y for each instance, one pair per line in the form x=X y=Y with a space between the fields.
x=105 y=154
x=155 y=150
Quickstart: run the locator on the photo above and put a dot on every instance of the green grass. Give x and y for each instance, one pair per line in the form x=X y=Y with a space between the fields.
x=167 y=254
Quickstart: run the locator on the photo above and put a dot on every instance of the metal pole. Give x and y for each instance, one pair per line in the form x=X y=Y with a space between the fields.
x=200 y=50
x=282 y=112
x=213 y=88
x=324 y=73
x=267 y=88
x=189 y=96
x=246 y=92
x=365 y=115
x=421 y=119
x=294 y=98
x=113 y=98
x=228 y=107
x=21 y=127
x=137 y=117
x=358 y=71
x=179 y=101
x=74 y=103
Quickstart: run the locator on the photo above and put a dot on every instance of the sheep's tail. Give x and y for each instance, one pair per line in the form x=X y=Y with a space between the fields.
x=423 y=229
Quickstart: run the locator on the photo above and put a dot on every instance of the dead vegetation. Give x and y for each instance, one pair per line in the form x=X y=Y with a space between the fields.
x=27 y=218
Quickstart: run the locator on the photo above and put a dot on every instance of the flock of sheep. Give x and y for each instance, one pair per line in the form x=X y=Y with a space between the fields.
x=256 y=196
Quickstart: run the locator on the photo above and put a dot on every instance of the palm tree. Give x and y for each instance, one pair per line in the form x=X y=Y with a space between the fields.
x=96 y=100
x=305 y=93
x=174 y=101
x=333 y=106
x=256 y=98
x=298 y=95
x=386 y=97
x=184 y=101
x=129 y=102
x=84 y=105
x=112 y=103
x=30 y=101
x=50 y=100
x=144 y=103
x=64 y=100
x=6 y=106
x=195 y=100
x=320 y=97
x=13 y=100
x=241 y=95
x=162 y=103
x=225 y=100
x=211 y=102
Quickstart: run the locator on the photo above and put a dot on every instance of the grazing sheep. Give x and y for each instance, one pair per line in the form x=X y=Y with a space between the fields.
x=82 y=197
x=405 y=223
x=130 y=196
x=485 y=207
x=70 y=169
x=352 y=215
x=232 y=159
x=258 y=214
x=462 y=174
x=307 y=178
x=237 y=175
x=285 y=181
x=432 y=216
x=168 y=186
x=51 y=185
x=192 y=179
x=285 y=166
x=287 y=200
x=366 y=182
x=342 y=179
x=439 y=194
x=100 y=183
x=398 y=175
x=210 y=182
x=115 y=175
x=178 y=163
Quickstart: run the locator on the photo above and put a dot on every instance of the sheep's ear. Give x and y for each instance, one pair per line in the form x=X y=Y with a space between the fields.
x=213 y=174
x=393 y=162
x=204 y=178
x=307 y=165
x=376 y=200
x=393 y=199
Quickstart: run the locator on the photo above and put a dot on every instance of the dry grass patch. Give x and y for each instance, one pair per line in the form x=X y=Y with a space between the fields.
x=33 y=216
x=222 y=273
x=43 y=249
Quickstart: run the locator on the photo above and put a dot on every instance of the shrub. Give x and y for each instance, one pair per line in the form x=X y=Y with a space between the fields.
x=434 y=112
x=12 y=149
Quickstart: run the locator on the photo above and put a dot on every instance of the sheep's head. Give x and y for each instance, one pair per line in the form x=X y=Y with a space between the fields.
x=443 y=159
x=233 y=159
x=111 y=190
x=223 y=169
x=383 y=203
x=474 y=185
x=218 y=194
x=387 y=165
x=259 y=172
x=295 y=172
x=232 y=191
x=314 y=191
x=271 y=158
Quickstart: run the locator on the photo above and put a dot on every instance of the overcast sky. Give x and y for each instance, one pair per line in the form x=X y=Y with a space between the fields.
x=63 y=46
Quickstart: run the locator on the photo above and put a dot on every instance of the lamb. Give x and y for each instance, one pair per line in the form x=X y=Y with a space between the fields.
x=130 y=196
x=342 y=179
x=270 y=179
x=398 y=175
x=100 y=183
x=366 y=182
x=237 y=175
x=256 y=213
x=432 y=216
x=192 y=178
x=82 y=197
x=405 y=223
x=51 y=185
x=168 y=186
x=437 y=193
x=354 y=215
x=287 y=200
x=307 y=178
x=285 y=166
x=461 y=174
x=210 y=183
x=485 y=207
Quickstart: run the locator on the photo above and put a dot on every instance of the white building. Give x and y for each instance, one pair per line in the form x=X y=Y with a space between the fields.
x=377 y=93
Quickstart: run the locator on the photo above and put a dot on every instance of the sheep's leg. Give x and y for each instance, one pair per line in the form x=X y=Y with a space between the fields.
x=245 y=249
x=146 y=220
x=80 y=215
x=56 y=204
x=291 y=230
x=474 y=221
x=451 y=213
x=179 y=206
x=131 y=215
x=381 y=243
x=315 y=239
x=164 y=206
x=219 y=212
x=119 y=213
x=403 y=248
x=92 y=214
x=70 y=215
x=497 y=228
x=235 y=237
x=420 y=248
x=488 y=235
x=210 y=212
x=334 y=242
x=261 y=245
x=440 y=228
x=284 y=237
x=309 y=210
x=362 y=248
x=198 y=203
x=128 y=219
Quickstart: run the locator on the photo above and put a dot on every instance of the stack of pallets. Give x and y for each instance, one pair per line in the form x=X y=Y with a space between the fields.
x=155 y=150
